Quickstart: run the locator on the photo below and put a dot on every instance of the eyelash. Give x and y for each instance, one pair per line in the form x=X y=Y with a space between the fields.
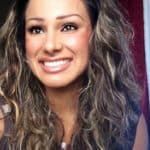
x=66 y=28
x=69 y=27
x=36 y=30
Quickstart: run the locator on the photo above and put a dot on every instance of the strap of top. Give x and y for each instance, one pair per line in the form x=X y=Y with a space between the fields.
x=4 y=110
x=5 y=113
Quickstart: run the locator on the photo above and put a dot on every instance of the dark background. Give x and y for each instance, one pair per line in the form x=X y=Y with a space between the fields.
x=4 y=6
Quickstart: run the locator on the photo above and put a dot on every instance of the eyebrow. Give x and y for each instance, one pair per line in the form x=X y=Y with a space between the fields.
x=59 y=17
x=69 y=15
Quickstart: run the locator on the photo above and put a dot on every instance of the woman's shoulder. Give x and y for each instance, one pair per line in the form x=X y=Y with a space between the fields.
x=1 y=117
x=141 y=139
x=1 y=127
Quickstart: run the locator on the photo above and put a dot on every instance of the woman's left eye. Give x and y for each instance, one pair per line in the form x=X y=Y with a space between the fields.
x=69 y=27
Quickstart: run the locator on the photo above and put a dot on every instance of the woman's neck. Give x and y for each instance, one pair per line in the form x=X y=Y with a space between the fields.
x=64 y=102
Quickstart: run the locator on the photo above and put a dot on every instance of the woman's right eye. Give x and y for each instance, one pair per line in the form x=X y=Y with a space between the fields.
x=36 y=30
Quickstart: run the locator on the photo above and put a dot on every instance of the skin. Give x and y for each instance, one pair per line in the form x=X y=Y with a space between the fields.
x=50 y=37
x=62 y=34
x=1 y=124
x=141 y=139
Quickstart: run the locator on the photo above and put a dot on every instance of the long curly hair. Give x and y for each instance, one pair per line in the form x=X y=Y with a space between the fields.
x=108 y=103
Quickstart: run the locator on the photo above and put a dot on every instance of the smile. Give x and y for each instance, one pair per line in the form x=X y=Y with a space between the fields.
x=56 y=63
x=56 y=66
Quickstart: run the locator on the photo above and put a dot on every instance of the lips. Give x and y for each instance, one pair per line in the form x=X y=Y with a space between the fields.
x=55 y=66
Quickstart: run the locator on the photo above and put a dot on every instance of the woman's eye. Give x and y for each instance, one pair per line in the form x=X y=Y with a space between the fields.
x=69 y=27
x=36 y=30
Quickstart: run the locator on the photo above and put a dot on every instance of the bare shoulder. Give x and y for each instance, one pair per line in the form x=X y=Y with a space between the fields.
x=1 y=127
x=1 y=122
x=141 y=139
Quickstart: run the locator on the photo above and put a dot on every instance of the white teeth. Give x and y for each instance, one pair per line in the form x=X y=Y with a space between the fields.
x=55 y=63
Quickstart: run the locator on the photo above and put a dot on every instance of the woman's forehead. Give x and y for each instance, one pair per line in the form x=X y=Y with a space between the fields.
x=51 y=8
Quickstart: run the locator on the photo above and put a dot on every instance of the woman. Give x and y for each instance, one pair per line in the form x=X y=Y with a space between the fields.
x=70 y=76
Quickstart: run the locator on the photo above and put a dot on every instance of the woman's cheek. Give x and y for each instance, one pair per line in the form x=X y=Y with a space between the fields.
x=78 y=41
x=33 y=45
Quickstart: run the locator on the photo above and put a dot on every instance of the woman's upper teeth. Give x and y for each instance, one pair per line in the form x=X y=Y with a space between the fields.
x=55 y=63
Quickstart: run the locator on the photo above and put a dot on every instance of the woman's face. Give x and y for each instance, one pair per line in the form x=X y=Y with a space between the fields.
x=57 y=34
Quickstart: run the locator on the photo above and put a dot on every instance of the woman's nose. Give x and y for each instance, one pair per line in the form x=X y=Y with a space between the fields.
x=52 y=42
